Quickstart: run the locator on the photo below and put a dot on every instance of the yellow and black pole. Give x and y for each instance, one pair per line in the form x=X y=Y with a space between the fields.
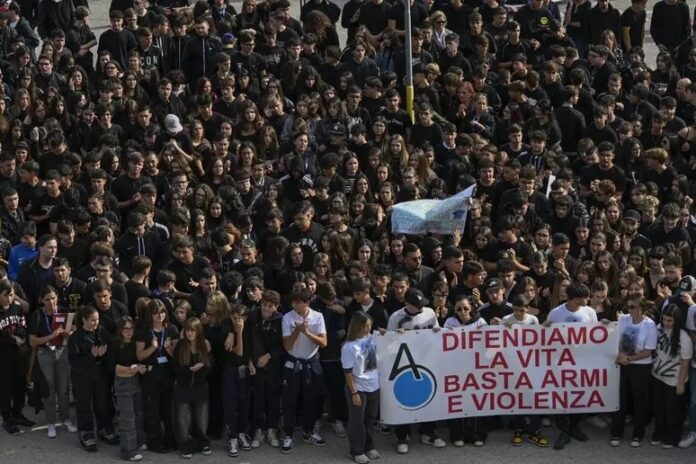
x=409 y=59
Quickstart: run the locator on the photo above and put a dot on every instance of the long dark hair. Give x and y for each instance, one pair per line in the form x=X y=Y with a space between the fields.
x=673 y=311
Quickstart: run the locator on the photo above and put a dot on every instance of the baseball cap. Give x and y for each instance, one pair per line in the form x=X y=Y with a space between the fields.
x=632 y=214
x=687 y=284
x=172 y=124
x=416 y=298
x=493 y=284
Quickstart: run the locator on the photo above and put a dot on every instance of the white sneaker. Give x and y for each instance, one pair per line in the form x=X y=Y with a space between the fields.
x=433 y=441
x=136 y=458
x=373 y=454
x=458 y=443
x=688 y=440
x=615 y=441
x=361 y=459
x=244 y=441
x=597 y=421
x=272 y=438
x=68 y=424
x=233 y=448
x=667 y=446
x=339 y=429
x=258 y=439
x=51 y=431
x=402 y=448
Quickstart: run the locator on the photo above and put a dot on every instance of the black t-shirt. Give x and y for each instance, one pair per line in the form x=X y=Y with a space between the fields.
x=635 y=22
x=121 y=354
x=594 y=172
x=374 y=17
x=145 y=336
x=39 y=324
x=398 y=122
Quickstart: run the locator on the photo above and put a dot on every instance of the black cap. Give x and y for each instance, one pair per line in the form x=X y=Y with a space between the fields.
x=632 y=214
x=493 y=284
x=416 y=298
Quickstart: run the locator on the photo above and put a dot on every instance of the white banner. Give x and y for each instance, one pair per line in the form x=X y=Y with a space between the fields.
x=566 y=368
x=432 y=216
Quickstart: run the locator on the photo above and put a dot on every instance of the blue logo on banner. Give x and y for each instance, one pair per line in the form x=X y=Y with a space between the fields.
x=414 y=385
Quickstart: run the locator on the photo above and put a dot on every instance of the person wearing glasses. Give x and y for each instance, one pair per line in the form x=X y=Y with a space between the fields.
x=122 y=359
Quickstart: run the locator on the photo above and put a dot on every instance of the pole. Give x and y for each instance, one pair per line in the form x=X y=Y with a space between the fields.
x=409 y=59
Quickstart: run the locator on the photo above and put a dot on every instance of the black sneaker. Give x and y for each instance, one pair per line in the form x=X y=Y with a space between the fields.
x=287 y=444
x=11 y=428
x=89 y=444
x=313 y=438
x=578 y=434
x=561 y=442
x=110 y=438
x=382 y=428
x=19 y=419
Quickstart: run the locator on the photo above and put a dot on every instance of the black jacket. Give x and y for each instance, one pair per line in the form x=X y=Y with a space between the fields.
x=10 y=226
x=54 y=15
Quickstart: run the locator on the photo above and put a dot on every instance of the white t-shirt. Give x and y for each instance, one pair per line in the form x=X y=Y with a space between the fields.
x=453 y=322
x=562 y=314
x=637 y=337
x=690 y=325
x=666 y=368
x=360 y=358
x=426 y=319
x=304 y=348
x=529 y=319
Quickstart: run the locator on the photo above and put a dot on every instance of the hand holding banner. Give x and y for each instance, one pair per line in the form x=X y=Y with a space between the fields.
x=567 y=368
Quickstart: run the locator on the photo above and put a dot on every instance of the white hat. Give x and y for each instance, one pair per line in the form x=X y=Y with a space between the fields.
x=172 y=124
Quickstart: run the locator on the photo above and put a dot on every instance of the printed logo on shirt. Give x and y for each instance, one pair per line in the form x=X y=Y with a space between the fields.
x=414 y=385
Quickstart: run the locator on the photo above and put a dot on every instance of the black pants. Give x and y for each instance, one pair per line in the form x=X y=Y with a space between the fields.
x=215 y=423
x=190 y=407
x=360 y=420
x=566 y=422
x=527 y=424
x=299 y=386
x=12 y=383
x=404 y=430
x=467 y=430
x=235 y=399
x=91 y=402
x=669 y=412
x=266 y=396
x=334 y=380
x=157 y=388
x=634 y=390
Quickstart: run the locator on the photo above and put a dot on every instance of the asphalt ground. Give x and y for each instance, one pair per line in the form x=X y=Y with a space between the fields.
x=33 y=446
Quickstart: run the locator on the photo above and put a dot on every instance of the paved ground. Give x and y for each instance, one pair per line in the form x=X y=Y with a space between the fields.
x=33 y=446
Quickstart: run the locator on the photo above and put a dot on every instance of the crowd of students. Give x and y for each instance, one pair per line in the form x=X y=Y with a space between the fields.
x=196 y=236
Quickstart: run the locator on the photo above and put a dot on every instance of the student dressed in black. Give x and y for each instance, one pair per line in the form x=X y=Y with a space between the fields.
x=86 y=352
x=190 y=401
x=267 y=355
x=154 y=344
x=13 y=365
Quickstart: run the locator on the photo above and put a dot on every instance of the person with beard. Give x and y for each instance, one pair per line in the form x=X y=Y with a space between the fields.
x=70 y=290
x=198 y=54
